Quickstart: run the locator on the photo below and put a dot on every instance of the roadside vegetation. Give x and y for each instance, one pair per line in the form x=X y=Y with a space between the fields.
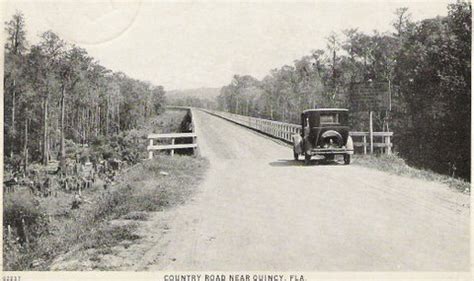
x=426 y=65
x=74 y=143
x=150 y=186
x=38 y=229
x=394 y=164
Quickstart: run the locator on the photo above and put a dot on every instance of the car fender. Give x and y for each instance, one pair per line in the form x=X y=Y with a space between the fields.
x=297 y=143
x=350 y=145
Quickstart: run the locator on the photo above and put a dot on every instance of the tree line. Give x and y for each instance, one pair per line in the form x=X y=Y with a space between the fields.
x=55 y=93
x=426 y=65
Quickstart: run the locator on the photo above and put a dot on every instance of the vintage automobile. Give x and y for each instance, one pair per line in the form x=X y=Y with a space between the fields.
x=324 y=131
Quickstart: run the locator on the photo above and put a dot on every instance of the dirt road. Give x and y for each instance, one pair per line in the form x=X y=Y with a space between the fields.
x=260 y=210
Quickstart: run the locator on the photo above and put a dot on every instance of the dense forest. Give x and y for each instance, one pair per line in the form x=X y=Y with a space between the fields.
x=57 y=96
x=199 y=97
x=426 y=65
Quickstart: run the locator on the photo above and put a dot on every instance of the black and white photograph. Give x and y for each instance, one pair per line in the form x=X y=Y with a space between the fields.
x=236 y=140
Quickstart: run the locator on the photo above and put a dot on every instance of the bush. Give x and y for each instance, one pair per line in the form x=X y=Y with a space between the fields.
x=18 y=207
x=12 y=163
x=21 y=205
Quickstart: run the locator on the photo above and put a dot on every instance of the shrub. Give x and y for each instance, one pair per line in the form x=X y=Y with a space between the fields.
x=22 y=206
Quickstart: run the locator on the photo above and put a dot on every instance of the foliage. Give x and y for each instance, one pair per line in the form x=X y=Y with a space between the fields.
x=396 y=165
x=428 y=66
x=20 y=206
x=28 y=224
x=142 y=188
x=56 y=94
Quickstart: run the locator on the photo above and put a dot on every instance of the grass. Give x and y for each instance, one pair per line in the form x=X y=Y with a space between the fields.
x=58 y=230
x=141 y=189
x=138 y=216
x=396 y=165
x=167 y=122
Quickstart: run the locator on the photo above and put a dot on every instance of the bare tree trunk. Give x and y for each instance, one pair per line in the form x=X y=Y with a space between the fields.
x=88 y=127
x=94 y=120
x=107 y=118
x=83 y=127
x=12 y=141
x=62 y=158
x=45 y=131
x=25 y=149
x=99 y=121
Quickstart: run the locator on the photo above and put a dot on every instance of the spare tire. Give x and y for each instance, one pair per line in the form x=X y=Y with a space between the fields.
x=335 y=136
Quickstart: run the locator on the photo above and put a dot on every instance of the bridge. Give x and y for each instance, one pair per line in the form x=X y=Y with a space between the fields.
x=260 y=210
x=285 y=131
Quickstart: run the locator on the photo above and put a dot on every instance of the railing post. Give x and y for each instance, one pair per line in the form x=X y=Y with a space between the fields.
x=150 y=150
x=172 y=150
x=365 y=144
x=194 y=148
x=389 y=145
x=371 y=132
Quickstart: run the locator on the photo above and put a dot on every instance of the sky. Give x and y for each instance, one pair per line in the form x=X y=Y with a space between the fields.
x=185 y=44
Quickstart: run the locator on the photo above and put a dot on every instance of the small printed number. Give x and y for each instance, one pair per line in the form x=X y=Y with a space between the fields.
x=11 y=278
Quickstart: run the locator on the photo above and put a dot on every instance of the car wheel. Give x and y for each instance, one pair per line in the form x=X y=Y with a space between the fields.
x=295 y=155
x=347 y=159
x=307 y=158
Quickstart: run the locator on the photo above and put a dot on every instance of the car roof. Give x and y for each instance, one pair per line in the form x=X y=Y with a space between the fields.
x=325 y=109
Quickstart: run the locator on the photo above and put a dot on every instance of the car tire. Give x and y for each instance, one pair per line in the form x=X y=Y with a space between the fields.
x=295 y=155
x=347 y=159
x=307 y=158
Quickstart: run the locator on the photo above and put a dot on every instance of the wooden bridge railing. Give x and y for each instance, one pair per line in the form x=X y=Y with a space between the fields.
x=385 y=143
x=190 y=134
x=284 y=131
x=151 y=147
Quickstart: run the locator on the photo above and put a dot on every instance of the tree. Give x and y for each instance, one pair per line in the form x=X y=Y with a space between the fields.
x=15 y=47
x=426 y=64
x=72 y=69
x=49 y=52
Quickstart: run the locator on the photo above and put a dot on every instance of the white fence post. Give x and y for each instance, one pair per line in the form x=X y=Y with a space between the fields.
x=172 y=150
x=150 y=152
x=365 y=144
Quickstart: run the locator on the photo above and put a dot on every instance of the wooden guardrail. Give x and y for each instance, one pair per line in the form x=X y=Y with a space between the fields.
x=151 y=147
x=284 y=131
x=173 y=136
x=385 y=143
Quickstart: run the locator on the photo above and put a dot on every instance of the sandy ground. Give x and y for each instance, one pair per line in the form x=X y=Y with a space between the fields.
x=260 y=210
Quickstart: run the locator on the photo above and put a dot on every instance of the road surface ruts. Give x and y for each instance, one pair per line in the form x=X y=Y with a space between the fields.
x=259 y=210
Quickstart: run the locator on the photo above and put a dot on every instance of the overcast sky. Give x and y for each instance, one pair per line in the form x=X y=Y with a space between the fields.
x=189 y=45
